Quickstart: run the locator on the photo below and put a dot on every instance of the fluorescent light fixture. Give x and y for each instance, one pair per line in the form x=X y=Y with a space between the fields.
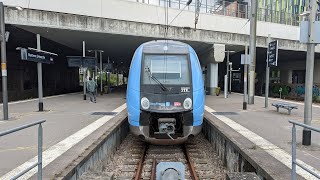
x=19 y=8
x=95 y=50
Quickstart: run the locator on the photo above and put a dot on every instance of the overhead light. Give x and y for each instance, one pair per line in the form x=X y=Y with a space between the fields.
x=19 y=8
x=95 y=50
x=7 y=34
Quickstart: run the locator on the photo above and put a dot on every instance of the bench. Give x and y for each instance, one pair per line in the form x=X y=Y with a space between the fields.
x=287 y=106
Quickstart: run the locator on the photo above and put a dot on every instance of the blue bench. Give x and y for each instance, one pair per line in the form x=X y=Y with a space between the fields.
x=287 y=106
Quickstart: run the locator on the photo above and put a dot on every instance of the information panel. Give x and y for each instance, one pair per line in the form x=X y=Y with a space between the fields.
x=273 y=53
x=79 y=61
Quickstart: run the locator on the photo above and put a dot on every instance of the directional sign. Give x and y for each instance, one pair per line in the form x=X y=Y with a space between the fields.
x=36 y=56
x=89 y=62
x=74 y=61
x=244 y=60
x=107 y=66
x=79 y=61
x=273 y=53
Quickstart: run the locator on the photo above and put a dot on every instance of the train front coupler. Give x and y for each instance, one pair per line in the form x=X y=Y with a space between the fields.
x=166 y=126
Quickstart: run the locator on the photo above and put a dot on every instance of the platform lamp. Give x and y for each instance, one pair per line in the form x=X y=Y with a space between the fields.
x=227 y=74
x=3 y=38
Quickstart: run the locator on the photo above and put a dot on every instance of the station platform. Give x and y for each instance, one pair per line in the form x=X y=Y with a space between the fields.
x=65 y=115
x=70 y=119
x=268 y=129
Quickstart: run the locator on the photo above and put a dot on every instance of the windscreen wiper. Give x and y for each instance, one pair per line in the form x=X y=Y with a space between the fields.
x=163 y=87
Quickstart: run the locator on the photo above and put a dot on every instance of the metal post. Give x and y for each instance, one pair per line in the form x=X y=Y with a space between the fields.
x=306 y=136
x=122 y=77
x=246 y=11
x=117 y=78
x=266 y=103
x=108 y=81
x=101 y=83
x=40 y=134
x=96 y=70
x=225 y=86
x=226 y=78
x=245 y=79
x=107 y=78
x=293 y=172
x=230 y=78
x=253 y=34
x=4 y=65
x=84 y=72
x=39 y=67
x=206 y=6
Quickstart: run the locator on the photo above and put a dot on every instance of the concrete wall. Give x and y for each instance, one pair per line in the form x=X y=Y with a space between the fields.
x=46 y=19
x=22 y=75
x=298 y=65
x=139 y=12
x=150 y=14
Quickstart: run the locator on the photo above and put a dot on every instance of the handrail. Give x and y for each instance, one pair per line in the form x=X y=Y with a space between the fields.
x=20 y=128
x=305 y=126
x=294 y=149
x=40 y=139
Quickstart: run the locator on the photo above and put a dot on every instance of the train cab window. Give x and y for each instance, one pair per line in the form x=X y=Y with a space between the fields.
x=168 y=69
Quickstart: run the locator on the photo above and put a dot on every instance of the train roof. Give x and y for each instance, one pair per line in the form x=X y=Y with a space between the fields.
x=165 y=46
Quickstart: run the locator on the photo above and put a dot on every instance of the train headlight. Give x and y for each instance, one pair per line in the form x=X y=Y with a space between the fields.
x=187 y=103
x=145 y=104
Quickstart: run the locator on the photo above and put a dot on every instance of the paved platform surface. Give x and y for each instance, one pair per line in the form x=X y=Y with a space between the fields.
x=65 y=115
x=271 y=125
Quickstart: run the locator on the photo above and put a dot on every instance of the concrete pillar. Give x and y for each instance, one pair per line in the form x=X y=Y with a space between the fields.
x=212 y=77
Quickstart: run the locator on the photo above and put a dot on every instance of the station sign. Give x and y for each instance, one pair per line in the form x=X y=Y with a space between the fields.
x=79 y=61
x=273 y=53
x=36 y=56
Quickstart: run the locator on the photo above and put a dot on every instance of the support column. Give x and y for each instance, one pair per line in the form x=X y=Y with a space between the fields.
x=289 y=76
x=39 y=68
x=253 y=35
x=212 y=76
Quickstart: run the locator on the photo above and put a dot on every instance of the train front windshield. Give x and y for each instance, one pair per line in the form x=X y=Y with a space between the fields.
x=168 y=69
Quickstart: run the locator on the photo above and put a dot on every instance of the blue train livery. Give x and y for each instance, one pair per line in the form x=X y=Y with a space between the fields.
x=165 y=93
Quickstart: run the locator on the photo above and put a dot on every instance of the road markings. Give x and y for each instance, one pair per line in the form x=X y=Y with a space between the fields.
x=58 y=149
x=264 y=144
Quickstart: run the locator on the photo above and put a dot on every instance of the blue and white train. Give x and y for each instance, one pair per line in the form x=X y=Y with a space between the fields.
x=165 y=93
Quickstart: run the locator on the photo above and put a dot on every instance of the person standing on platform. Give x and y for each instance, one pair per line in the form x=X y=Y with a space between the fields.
x=91 y=87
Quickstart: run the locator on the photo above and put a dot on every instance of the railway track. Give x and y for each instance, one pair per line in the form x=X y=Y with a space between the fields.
x=143 y=158
x=138 y=160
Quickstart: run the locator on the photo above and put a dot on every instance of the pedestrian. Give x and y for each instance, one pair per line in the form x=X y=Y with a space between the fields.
x=91 y=87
